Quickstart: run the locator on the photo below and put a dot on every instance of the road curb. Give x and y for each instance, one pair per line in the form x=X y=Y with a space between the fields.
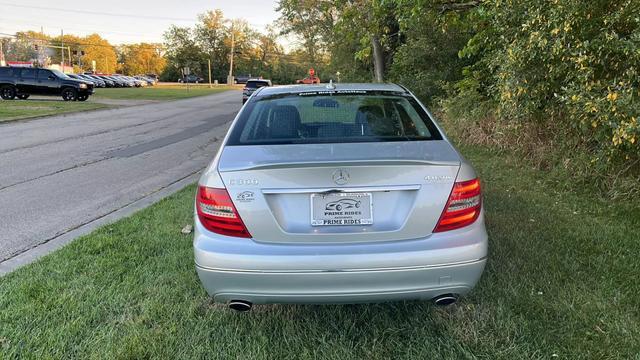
x=35 y=253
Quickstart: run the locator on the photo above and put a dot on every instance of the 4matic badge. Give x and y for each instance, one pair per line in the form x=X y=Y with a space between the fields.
x=438 y=179
x=245 y=196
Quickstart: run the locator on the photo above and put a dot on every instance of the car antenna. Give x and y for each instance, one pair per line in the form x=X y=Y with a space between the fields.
x=331 y=85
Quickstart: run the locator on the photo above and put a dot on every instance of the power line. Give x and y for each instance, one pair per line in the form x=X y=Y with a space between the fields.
x=77 y=43
x=93 y=31
x=88 y=12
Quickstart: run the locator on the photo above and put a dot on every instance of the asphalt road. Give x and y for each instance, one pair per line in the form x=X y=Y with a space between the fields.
x=63 y=172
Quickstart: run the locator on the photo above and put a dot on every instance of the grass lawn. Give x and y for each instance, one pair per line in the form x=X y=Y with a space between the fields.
x=562 y=282
x=160 y=92
x=22 y=109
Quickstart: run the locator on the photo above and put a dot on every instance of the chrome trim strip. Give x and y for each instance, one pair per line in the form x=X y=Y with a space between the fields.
x=339 y=163
x=423 y=267
x=341 y=189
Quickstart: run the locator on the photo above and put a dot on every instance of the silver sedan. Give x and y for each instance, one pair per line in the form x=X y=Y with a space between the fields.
x=338 y=194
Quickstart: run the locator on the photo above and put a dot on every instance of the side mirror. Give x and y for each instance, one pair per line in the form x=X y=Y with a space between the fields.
x=51 y=77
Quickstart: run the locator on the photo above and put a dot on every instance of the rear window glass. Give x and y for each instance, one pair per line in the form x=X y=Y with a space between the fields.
x=256 y=84
x=334 y=118
x=6 y=71
x=28 y=73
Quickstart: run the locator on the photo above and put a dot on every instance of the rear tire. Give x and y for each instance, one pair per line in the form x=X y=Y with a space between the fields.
x=69 y=94
x=8 y=92
x=23 y=96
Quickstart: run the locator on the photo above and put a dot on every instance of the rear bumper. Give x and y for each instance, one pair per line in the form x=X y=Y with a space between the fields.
x=244 y=269
x=341 y=286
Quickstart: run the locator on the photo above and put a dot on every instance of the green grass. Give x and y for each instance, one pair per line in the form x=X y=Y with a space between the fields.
x=22 y=109
x=160 y=92
x=561 y=282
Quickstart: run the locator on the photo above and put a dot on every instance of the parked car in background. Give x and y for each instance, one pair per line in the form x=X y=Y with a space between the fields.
x=128 y=82
x=118 y=83
x=155 y=77
x=108 y=83
x=136 y=82
x=251 y=86
x=149 y=81
x=343 y=193
x=311 y=79
x=23 y=82
x=242 y=79
x=191 y=79
x=98 y=82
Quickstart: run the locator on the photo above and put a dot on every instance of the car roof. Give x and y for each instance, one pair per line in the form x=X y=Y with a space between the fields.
x=297 y=89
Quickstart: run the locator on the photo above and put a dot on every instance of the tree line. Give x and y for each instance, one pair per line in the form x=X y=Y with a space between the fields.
x=212 y=40
x=557 y=80
x=82 y=52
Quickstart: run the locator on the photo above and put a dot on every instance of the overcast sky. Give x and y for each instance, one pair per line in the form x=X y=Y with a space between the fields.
x=124 y=21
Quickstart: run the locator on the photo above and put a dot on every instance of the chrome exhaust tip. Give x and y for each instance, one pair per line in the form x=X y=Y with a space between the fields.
x=445 y=300
x=240 y=305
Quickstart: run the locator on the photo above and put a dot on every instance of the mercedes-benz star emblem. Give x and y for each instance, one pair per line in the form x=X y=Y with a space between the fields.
x=340 y=177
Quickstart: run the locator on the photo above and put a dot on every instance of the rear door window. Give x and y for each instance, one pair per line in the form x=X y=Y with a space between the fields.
x=335 y=118
x=28 y=73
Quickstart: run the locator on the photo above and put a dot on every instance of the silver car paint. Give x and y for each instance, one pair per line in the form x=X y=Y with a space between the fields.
x=396 y=258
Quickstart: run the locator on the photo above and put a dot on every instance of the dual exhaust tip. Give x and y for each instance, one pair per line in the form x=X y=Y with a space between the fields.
x=240 y=305
x=441 y=300
x=445 y=300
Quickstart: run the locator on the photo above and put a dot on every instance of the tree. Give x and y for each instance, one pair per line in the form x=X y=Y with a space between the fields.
x=182 y=51
x=21 y=48
x=101 y=51
x=365 y=30
x=71 y=43
x=143 y=58
x=210 y=34
x=312 y=21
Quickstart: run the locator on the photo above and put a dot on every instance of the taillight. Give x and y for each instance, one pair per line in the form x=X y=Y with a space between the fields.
x=217 y=213
x=463 y=206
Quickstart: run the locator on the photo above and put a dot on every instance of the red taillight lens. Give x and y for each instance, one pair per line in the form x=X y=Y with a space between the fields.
x=463 y=207
x=217 y=213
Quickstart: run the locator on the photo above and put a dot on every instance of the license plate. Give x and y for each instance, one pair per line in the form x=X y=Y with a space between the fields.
x=338 y=209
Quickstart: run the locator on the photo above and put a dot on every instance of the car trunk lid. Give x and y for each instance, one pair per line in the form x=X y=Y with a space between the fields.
x=284 y=193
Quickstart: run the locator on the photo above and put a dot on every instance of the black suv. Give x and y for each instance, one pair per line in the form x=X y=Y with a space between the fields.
x=251 y=87
x=22 y=82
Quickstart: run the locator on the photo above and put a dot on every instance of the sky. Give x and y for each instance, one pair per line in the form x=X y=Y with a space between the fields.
x=124 y=21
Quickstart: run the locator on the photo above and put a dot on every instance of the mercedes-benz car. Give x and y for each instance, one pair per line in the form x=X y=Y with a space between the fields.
x=268 y=228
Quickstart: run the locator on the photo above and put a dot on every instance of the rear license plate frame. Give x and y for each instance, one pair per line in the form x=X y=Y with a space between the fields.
x=341 y=209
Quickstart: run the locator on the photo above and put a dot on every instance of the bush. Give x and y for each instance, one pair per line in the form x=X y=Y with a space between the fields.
x=564 y=75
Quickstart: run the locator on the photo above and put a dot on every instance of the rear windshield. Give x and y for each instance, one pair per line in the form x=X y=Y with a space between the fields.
x=332 y=118
x=256 y=84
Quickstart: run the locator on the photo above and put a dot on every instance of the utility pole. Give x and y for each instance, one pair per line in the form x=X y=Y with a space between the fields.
x=233 y=49
x=1 y=54
x=209 y=60
x=62 y=47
